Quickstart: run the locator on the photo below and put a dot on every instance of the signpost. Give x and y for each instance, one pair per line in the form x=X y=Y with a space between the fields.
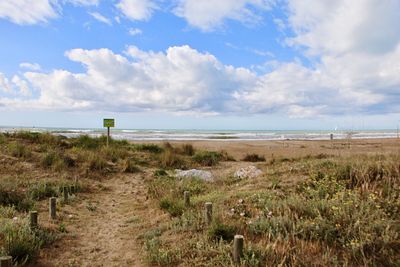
x=108 y=123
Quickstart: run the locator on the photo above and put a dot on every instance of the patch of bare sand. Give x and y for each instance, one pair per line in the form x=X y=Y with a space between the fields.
x=103 y=226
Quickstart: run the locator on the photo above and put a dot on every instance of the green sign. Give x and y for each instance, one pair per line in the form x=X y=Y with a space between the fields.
x=109 y=123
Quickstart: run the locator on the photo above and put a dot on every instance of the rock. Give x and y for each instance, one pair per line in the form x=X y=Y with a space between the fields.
x=247 y=172
x=203 y=175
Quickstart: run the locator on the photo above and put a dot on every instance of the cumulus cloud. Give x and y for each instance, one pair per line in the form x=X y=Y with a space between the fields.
x=137 y=9
x=100 y=18
x=184 y=80
x=208 y=15
x=27 y=11
x=337 y=27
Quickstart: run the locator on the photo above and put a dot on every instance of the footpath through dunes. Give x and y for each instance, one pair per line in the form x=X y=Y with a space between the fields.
x=103 y=228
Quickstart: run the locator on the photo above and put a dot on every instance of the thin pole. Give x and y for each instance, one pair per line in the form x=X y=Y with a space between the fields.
x=108 y=134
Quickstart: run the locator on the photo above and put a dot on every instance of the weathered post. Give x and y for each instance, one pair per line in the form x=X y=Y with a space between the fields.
x=208 y=206
x=6 y=261
x=52 y=207
x=186 y=195
x=65 y=193
x=238 y=242
x=33 y=223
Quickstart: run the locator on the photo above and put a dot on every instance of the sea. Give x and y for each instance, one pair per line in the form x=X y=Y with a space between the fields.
x=218 y=135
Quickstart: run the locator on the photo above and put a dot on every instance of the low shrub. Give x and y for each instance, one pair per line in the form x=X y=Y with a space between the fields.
x=153 y=148
x=222 y=231
x=253 y=158
x=207 y=158
x=174 y=207
x=170 y=159
x=19 y=150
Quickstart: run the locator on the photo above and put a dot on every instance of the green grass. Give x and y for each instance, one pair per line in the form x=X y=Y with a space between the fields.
x=207 y=158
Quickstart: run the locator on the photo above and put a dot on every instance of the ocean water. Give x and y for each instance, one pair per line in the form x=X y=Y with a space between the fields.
x=225 y=135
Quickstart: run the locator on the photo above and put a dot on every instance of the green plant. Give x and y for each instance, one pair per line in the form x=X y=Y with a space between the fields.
x=207 y=158
x=19 y=150
x=153 y=148
x=174 y=207
x=222 y=231
x=253 y=158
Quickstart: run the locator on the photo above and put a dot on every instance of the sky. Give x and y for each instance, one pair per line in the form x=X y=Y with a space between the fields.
x=201 y=64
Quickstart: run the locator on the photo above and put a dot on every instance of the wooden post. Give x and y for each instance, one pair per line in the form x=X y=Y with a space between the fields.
x=237 y=248
x=73 y=191
x=6 y=261
x=208 y=206
x=65 y=193
x=108 y=134
x=33 y=219
x=52 y=207
x=186 y=195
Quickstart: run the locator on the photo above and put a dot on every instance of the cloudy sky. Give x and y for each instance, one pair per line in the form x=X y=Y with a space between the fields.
x=205 y=64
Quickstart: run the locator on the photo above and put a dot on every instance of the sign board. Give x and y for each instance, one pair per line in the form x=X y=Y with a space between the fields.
x=108 y=123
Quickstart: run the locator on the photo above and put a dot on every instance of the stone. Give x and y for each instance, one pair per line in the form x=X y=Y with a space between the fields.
x=194 y=173
x=247 y=172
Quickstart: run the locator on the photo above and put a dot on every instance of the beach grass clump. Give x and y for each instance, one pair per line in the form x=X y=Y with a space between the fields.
x=152 y=148
x=169 y=159
x=253 y=158
x=10 y=196
x=129 y=166
x=19 y=150
x=174 y=206
x=2 y=138
x=219 y=230
x=87 y=142
x=188 y=149
x=96 y=162
x=207 y=158
x=43 y=190
x=21 y=242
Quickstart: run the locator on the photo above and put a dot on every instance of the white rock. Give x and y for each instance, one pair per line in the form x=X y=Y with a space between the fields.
x=247 y=172
x=203 y=175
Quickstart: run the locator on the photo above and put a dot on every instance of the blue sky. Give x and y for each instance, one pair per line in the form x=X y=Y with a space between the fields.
x=230 y=64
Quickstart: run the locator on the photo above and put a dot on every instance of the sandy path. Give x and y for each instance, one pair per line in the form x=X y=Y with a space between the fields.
x=103 y=226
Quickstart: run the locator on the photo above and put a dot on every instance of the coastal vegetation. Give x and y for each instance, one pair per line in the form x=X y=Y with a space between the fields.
x=316 y=210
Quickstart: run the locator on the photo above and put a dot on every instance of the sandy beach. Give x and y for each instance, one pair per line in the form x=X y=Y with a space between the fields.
x=294 y=148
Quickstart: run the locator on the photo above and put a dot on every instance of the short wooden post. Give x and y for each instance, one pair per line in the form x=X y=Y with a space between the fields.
x=6 y=261
x=52 y=207
x=33 y=219
x=186 y=195
x=65 y=193
x=208 y=206
x=238 y=242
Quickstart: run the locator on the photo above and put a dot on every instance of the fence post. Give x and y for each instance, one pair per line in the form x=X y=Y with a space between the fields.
x=65 y=193
x=186 y=195
x=52 y=207
x=237 y=248
x=33 y=219
x=208 y=206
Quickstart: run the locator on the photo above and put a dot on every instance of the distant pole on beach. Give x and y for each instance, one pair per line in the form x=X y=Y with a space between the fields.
x=108 y=123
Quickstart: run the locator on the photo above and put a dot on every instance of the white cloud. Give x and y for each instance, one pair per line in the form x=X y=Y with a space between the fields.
x=137 y=9
x=183 y=80
x=16 y=88
x=208 y=15
x=341 y=26
x=83 y=2
x=135 y=31
x=30 y=66
x=100 y=18
x=27 y=11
